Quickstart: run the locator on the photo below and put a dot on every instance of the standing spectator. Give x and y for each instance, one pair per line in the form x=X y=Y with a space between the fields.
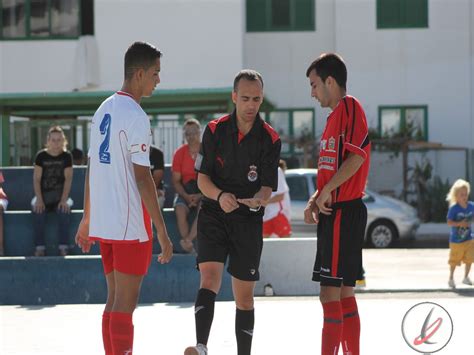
x=238 y=169
x=276 y=219
x=77 y=156
x=3 y=208
x=461 y=244
x=120 y=201
x=52 y=178
x=188 y=196
x=157 y=166
x=337 y=205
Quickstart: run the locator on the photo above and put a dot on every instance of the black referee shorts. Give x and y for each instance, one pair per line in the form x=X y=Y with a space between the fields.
x=339 y=247
x=221 y=235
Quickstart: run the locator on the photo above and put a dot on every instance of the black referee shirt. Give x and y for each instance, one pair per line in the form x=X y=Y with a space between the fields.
x=239 y=164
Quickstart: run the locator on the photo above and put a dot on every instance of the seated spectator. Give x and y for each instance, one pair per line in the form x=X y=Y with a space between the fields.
x=184 y=179
x=276 y=219
x=77 y=157
x=52 y=178
x=157 y=166
x=3 y=207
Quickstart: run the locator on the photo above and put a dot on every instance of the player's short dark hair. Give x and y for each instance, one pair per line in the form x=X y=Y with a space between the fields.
x=247 y=74
x=330 y=64
x=140 y=55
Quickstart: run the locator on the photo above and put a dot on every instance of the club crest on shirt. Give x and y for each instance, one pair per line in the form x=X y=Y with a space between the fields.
x=331 y=143
x=252 y=174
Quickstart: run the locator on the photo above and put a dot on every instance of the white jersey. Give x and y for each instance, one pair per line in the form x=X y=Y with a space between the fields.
x=120 y=137
x=273 y=209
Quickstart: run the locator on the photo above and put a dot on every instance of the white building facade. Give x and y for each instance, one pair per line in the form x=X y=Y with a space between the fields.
x=410 y=62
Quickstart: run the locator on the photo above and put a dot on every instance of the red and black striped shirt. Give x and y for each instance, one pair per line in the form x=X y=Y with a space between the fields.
x=346 y=132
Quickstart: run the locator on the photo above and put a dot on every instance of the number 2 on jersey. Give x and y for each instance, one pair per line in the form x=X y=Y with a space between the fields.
x=104 y=155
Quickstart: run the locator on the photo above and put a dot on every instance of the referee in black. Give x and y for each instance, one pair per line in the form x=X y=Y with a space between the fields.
x=237 y=172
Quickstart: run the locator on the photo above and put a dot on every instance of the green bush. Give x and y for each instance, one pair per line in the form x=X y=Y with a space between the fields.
x=430 y=193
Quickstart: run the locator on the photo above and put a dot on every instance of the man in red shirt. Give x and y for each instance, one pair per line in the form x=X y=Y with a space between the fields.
x=188 y=196
x=337 y=205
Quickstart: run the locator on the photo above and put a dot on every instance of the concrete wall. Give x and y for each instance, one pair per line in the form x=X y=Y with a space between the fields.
x=80 y=279
x=282 y=58
x=286 y=265
x=432 y=66
x=201 y=41
x=205 y=42
x=386 y=169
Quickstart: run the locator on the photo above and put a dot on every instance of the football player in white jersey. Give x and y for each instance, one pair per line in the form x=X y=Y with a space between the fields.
x=120 y=196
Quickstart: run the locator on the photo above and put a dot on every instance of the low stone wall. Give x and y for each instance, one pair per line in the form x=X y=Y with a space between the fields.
x=286 y=265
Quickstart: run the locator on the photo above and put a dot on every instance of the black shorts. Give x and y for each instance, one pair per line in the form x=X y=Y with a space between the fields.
x=339 y=247
x=240 y=237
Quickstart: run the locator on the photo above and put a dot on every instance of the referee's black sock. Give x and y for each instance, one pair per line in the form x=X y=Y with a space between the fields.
x=244 y=321
x=204 y=314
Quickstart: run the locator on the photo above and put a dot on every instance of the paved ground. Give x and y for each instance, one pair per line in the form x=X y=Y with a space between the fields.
x=284 y=325
x=397 y=270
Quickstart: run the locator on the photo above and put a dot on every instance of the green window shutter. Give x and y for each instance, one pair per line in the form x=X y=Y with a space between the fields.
x=389 y=13
x=281 y=11
x=303 y=15
x=256 y=15
x=416 y=13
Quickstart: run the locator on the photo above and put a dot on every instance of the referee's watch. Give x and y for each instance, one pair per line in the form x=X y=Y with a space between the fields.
x=255 y=209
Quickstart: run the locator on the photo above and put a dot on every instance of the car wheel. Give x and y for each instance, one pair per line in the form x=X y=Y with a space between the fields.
x=382 y=234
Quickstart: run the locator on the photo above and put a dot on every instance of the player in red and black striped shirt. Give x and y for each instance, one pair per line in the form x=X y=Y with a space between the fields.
x=337 y=205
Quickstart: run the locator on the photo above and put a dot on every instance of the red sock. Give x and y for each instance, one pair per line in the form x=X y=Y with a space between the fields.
x=332 y=328
x=106 y=333
x=351 y=326
x=121 y=333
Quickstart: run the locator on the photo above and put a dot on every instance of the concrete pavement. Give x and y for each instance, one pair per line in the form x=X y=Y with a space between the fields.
x=421 y=270
x=284 y=326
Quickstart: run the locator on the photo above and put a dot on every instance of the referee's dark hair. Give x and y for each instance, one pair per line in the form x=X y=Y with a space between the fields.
x=247 y=74
x=140 y=55
x=330 y=64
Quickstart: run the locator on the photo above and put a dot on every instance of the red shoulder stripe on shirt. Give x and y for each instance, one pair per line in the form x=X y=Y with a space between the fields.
x=273 y=134
x=213 y=124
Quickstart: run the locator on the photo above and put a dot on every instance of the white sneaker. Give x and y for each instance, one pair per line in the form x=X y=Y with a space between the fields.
x=451 y=283
x=467 y=281
x=199 y=349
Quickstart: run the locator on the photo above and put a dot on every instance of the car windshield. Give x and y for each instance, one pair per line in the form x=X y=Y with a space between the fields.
x=298 y=187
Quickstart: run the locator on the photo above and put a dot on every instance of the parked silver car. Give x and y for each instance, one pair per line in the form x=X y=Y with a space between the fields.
x=388 y=219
